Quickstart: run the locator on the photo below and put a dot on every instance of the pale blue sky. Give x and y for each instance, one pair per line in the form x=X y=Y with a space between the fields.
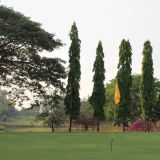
x=107 y=20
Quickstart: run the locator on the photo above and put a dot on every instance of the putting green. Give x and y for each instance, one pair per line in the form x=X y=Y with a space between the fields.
x=79 y=146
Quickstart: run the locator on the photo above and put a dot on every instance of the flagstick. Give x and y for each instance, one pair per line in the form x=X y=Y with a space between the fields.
x=112 y=138
x=111 y=143
x=116 y=100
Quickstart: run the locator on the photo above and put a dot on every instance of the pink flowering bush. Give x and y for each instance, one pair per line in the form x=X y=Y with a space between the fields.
x=138 y=125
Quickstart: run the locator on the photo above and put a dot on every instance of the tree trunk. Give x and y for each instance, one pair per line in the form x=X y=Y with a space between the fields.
x=124 y=129
x=98 y=129
x=148 y=126
x=70 y=125
x=52 y=128
x=86 y=128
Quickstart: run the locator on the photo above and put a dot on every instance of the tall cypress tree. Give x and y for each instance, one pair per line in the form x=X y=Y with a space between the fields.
x=147 y=84
x=98 y=99
x=72 y=99
x=125 y=82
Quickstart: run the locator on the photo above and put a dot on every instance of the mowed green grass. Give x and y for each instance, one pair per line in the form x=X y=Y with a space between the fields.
x=79 y=146
x=24 y=121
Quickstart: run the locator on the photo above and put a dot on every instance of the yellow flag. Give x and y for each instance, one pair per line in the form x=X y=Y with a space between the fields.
x=117 y=95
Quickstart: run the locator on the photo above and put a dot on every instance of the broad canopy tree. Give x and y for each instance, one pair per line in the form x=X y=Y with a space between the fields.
x=21 y=66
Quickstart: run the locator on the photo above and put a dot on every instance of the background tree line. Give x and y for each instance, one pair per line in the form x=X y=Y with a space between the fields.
x=135 y=97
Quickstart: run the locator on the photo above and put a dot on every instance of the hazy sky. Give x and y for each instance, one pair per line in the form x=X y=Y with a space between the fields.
x=107 y=20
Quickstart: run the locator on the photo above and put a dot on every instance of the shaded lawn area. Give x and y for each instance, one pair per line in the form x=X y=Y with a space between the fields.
x=79 y=146
x=23 y=124
x=22 y=120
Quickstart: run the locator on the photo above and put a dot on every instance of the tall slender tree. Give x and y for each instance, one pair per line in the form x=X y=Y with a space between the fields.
x=72 y=99
x=147 y=84
x=98 y=98
x=124 y=81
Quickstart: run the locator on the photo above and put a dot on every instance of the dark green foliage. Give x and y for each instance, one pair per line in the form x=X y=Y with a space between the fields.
x=156 y=89
x=21 y=66
x=157 y=110
x=72 y=99
x=135 y=97
x=147 y=83
x=125 y=82
x=98 y=98
x=109 y=90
